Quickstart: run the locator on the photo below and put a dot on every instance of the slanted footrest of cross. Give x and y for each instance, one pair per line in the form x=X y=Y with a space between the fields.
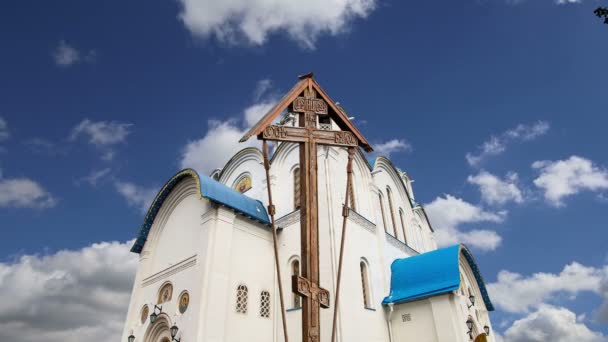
x=306 y=288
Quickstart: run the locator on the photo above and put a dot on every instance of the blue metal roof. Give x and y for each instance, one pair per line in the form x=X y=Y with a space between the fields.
x=209 y=189
x=430 y=274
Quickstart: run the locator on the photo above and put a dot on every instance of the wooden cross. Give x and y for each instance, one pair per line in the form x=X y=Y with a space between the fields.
x=308 y=137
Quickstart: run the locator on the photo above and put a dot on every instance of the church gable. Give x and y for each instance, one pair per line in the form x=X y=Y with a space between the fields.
x=209 y=189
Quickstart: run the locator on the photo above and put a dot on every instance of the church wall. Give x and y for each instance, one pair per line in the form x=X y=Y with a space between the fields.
x=478 y=312
x=251 y=263
x=173 y=254
x=414 y=321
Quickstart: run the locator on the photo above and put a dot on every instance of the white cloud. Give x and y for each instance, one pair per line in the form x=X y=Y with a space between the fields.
x=498 y=144
x=4 y=133
x=65 y=55
x=24 y=193
x=252 y=21
x=562 y=178
x=72 y=295
x=221 y=141
x=102 y=133
x=137 y=196
x=551 y=323
x=392 y=146
x=96 y=175
x=495 y=190
x=515 y=293
x=448 y=213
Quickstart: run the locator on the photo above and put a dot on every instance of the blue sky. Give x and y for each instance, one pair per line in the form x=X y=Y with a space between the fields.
x=101 y=102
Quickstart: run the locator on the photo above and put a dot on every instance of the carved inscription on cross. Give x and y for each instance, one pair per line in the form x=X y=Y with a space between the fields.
x=308 y=136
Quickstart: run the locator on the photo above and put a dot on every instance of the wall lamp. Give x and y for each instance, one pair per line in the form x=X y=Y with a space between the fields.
x=174 y=330
x=131 y=338
x=154 y=315
x=487 y=330
x=470 y=327
x=472 y=299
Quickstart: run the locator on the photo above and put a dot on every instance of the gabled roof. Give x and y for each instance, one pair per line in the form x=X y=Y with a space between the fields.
x=209 y=189
x=430 y=274
x=337 y=114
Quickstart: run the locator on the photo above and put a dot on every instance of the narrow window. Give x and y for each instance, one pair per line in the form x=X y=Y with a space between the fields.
x=402 y=225
x=365 y=285
x=295 y=271
x=265 y=304
x=390 y=207
x=241 y=299
x=382 y=212
x=351 y=195
x=296 y=188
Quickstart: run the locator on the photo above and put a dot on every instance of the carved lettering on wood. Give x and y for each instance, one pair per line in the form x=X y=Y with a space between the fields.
x=302 y=104
x=274 y=132
x=346 y=138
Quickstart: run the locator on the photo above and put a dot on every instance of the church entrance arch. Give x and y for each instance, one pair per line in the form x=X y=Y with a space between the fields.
x=159 y=331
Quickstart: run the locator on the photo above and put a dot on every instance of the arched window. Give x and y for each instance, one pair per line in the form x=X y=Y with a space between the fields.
x=243 y=184
x=403 y=225
x=295 y=271
x=241 y=299
x=382 y=212
x=265 y=304
x=296 y=188
x=367 y=300
x=390 y=207
x=351 y=195
x=165 y=293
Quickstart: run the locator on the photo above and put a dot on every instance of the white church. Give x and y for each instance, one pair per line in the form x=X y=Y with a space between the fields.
x=207 y=269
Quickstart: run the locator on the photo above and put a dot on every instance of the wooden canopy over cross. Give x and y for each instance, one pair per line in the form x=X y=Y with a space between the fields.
x=308 y=100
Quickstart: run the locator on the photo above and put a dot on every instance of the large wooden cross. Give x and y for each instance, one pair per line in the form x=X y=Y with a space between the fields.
x=302 y=99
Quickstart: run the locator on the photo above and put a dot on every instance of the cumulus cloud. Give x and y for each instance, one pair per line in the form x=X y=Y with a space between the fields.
x=65 y=55
x=137 y=196
x=252 y=21
x=221 y=141
x=515 y=293
x=391 y=146
x=495 y=190
x=551 y=323
x=4 y=133
x=24 y=193
x=562 y=178
x=449 y=213
x=498 y=144
x=72 y=295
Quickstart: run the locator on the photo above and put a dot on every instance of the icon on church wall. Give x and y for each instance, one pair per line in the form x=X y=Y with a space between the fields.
x=184 y=300
x=144 y=314
x=243 y=184
x=165 y=293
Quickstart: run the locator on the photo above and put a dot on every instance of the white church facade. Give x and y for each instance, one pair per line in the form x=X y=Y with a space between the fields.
x=207 y=268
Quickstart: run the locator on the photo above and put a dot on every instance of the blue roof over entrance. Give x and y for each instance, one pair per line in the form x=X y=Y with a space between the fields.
x=431 y=274
x=209 y=189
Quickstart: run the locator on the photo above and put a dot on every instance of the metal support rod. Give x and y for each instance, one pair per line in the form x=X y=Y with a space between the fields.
x=271 y=212
x=345 y=211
